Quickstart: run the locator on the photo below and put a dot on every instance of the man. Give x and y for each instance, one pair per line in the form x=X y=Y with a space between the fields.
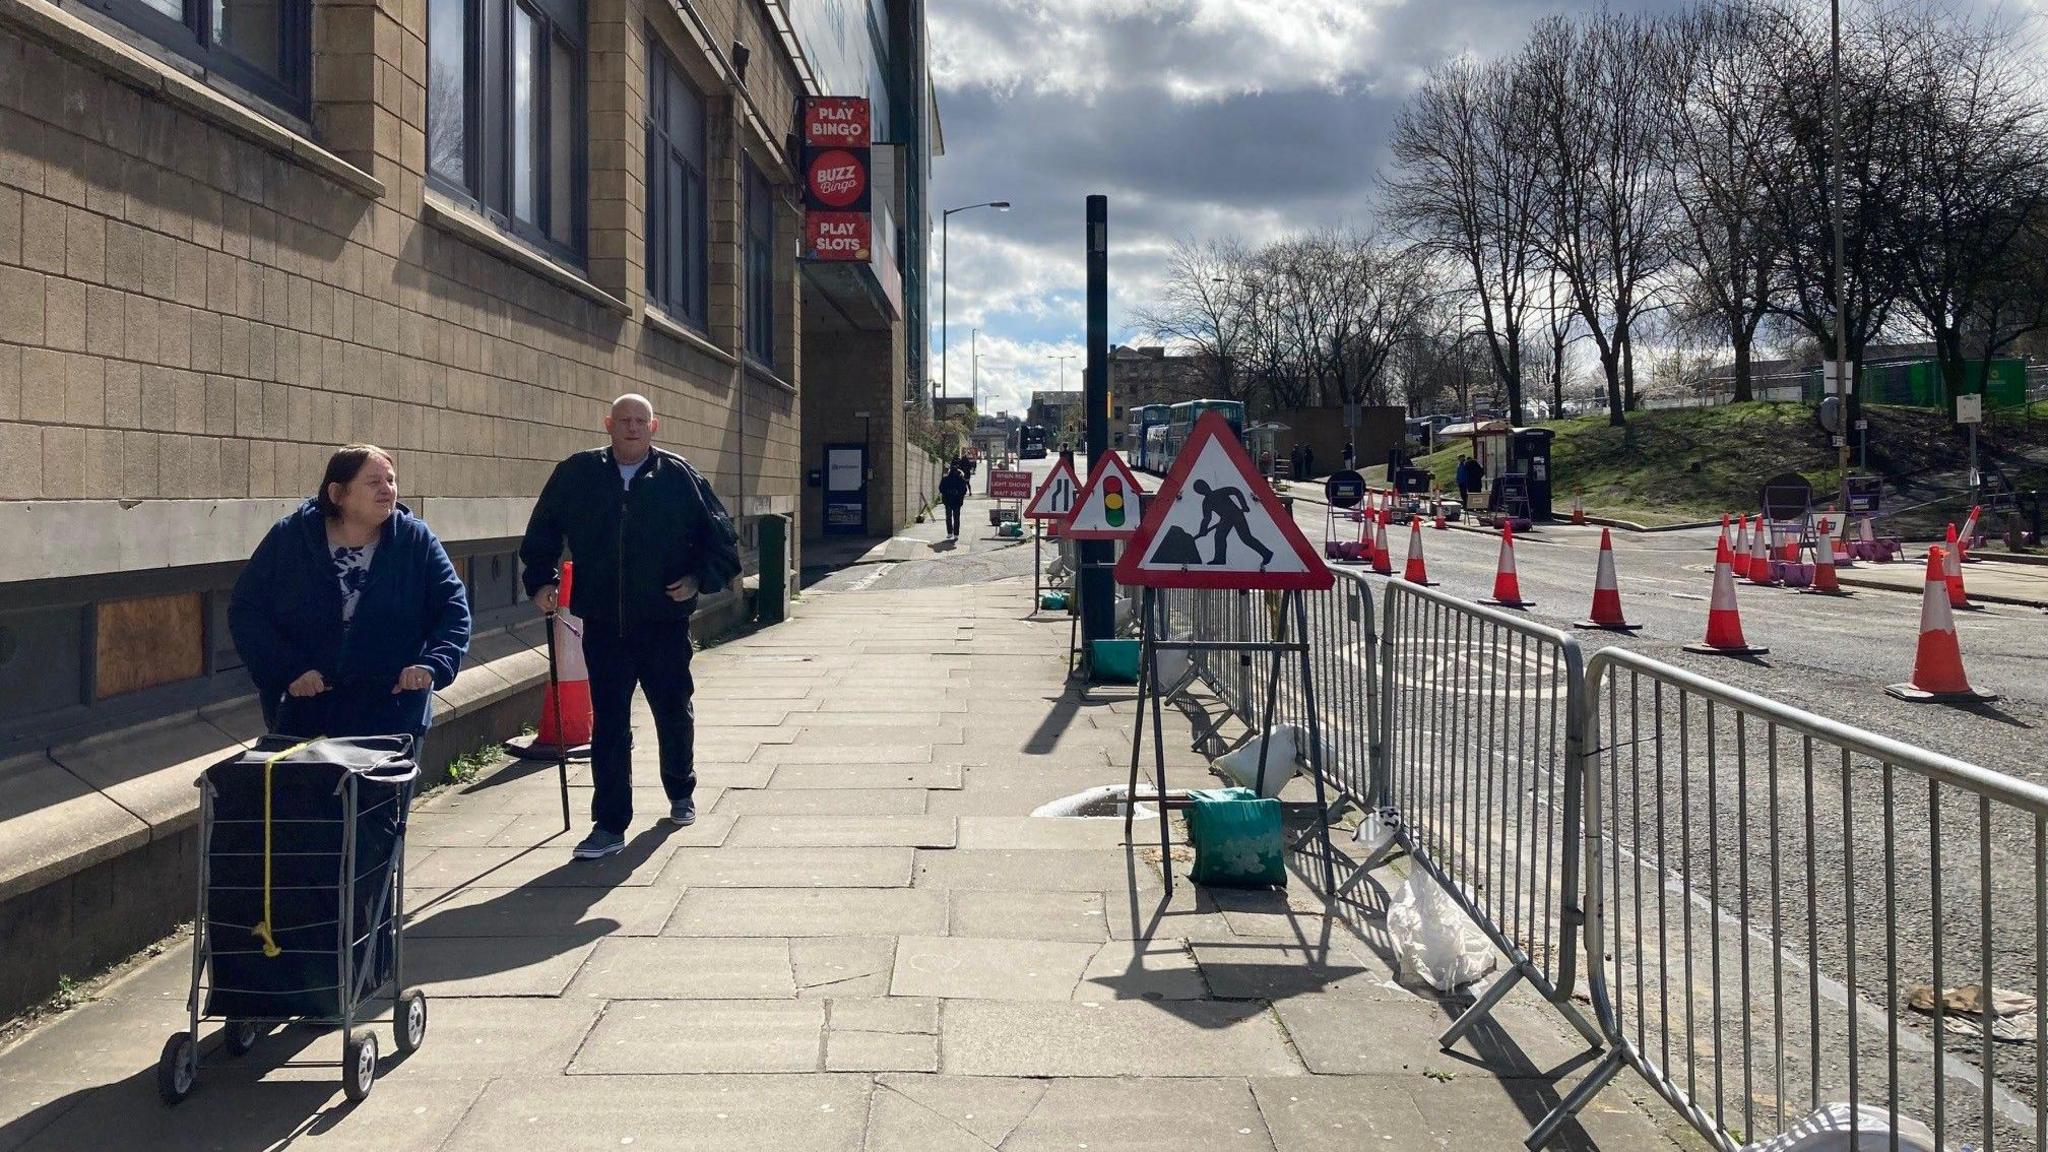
x=1224 y=512
x=647 y=535
x=1471 y=476
x=1350 y=456
x=953 y=493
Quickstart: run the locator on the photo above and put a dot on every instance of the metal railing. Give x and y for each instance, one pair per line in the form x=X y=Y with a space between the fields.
x=1481 y=771
x=1765 y=887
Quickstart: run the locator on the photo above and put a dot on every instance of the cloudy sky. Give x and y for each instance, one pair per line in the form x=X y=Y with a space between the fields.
x=1197 y=118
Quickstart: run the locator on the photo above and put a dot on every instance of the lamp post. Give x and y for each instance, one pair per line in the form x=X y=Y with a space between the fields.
x=946 y=278
x=1062 y=358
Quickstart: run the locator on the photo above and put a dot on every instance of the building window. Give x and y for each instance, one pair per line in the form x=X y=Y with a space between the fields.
x=504 y=102
x=760 y=256
x=264 y=46
x=677 y=219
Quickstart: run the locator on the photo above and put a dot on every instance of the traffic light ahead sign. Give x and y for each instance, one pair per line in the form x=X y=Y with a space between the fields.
x=1107 y=508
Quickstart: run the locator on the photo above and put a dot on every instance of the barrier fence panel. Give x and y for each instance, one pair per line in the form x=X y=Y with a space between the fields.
x=1777 y=904
x=1482 y=768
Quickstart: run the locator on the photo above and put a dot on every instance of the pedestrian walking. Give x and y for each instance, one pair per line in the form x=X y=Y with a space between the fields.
x=1350 y=456
x=648 y=536
x=1471 y=478
x=1294 y=462
x=1308 y=461
x=349 y=612
x=953 y=493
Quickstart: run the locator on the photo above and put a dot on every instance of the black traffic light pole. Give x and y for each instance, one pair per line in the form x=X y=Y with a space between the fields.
x=1098 y=586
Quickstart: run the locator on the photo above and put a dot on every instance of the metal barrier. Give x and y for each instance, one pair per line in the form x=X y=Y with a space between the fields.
x=1762 y=883
x=1482 y=772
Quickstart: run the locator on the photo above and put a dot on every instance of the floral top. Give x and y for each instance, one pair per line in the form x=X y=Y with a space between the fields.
x=352 y=571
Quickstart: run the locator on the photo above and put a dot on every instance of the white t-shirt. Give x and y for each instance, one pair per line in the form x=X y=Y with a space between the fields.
x=626 y=471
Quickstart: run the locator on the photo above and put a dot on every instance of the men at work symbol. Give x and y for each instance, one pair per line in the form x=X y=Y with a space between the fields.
x=1223 y=512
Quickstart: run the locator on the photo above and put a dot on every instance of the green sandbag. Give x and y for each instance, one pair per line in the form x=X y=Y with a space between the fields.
x=1237 y=839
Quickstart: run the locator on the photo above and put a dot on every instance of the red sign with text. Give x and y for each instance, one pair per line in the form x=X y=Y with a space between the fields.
x=838 y=235
x=836 y=179
x=836 y=122
x=1009 y=485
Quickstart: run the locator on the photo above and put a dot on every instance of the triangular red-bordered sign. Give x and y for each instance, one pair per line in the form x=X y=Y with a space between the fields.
x=1107 y=508
x=1055 y=498
x=1230 y=532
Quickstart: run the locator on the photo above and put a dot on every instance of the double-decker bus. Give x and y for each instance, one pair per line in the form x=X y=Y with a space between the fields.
x=1031 y=442
x=1144 y=419
x=1181 y=422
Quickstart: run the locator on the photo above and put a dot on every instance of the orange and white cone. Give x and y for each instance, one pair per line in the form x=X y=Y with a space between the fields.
x=1760 y=556
x=1952 y=574
x=1607 y=614
x=1382 y=563
x=1507 y=590
x=1416 y=572
x=1724 y=620
x=1938 y=661
x=1824 y=582
x=1840 y=546
x=565 y=715
x=1741 y=567
x=1578 y=510
x=1968 y=536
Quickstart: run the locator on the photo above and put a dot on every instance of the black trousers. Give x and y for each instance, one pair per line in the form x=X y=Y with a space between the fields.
x=952 y=519
x=655 y=657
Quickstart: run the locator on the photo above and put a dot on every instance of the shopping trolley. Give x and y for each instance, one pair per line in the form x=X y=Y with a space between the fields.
x=301 y=901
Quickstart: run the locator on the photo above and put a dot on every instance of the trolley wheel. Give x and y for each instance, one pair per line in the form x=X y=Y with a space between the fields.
x=240 y=1036
x=177 y=1070
x=411 y=1022
x=358 y=1065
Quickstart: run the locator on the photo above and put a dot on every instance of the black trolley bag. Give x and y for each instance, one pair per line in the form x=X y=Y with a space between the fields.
x=301 y=897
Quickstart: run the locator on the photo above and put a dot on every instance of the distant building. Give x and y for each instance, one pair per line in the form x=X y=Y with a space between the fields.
x=946 y=408
x=1151 y=375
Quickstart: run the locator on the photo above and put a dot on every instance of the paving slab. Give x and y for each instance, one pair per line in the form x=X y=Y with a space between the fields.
x=1142 y=1115
x=1150 y=914
x=1045 y=871
x=467 y=1038
x=898 y=751
x=544 y=866
x=675 y=1037
x=818 y=802
x=948 y=1113
x=467 y=966
x=880 y=1052
x=860 y=774
x=808 y=912
x=732 y=774
x=843 y=966
x=1028 y=915
x=553 y=911
x=1448 y=1110
x=790 y=867
x=844 y=831
x=1356 y=1035
x=960 y=967
x=1040 y=833
x=910 y=1015
x=682 y=968
x=1275 y=970
x=460 y=829
x=1141 y=970
x=1007 y=790
x=721 y=1113
x=1112 y=1038
x=905 y=732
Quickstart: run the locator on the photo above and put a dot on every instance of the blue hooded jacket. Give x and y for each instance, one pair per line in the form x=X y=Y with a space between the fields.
x=285 y=616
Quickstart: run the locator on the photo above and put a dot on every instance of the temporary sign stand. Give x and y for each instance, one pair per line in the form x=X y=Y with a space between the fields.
x=1106 y=509
x=1054 y=499
x=1215 y=496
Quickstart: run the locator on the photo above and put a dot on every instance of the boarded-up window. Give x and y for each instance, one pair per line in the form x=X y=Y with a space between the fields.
x=146 y=642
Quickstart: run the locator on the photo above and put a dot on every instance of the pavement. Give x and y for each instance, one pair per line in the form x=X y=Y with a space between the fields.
x=865 y=942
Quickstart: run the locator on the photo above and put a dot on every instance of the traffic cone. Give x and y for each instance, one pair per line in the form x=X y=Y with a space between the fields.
x=565 y=715
x=1969 y=536
x=1952 y=570
x=1760 y=556
x=1741 y=567
x=1824 y=582
x=1578 y=510
x=1844 y=558
x=1416 y=572
x=1606 y=594
x=1382 y=563
x=1938 y=662
x=1507 y=590
x=1442 y=525
x=1724 y=620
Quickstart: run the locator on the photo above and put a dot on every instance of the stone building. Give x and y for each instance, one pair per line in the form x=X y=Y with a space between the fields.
x=234 y=235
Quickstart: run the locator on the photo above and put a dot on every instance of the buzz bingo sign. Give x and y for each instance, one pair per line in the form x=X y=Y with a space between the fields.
x=1055 y=498
x=1217 y=524
x=1107 y=508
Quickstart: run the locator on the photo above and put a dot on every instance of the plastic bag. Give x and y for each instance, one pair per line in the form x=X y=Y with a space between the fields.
x=1376 y=831
x=1242 y=766
x=1827 y=1130
x=1436 y=943
x=1237 y=839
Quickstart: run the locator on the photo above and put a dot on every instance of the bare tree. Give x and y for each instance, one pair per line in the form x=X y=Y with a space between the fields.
x=1205 y=306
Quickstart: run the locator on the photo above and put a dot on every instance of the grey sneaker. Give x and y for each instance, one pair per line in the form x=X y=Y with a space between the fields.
x=600 y=844
x=682 y=813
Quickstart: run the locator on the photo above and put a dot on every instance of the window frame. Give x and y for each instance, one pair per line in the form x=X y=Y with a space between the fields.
x=488 y=145
x=191 y=37
x=693 y=216
x=757 y=224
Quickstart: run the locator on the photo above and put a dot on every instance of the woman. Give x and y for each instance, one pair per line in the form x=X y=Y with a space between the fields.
x=349 y=612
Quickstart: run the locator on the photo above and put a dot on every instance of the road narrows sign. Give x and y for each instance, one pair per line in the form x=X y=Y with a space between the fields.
x=1107 y=508
x=1216 y=524
x=1055 y=497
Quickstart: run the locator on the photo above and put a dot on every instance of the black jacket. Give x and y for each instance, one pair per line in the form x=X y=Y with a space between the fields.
x=629 y=545
x=953 y=489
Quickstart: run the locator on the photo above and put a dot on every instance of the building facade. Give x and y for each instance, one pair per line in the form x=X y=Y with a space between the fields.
x=235 y=235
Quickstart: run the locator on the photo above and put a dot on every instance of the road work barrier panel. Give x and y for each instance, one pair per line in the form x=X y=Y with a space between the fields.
x=1785 y=912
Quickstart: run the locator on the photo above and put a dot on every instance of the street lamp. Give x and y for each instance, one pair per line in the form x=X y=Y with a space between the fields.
x=946 y=279
x=1062 y=358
